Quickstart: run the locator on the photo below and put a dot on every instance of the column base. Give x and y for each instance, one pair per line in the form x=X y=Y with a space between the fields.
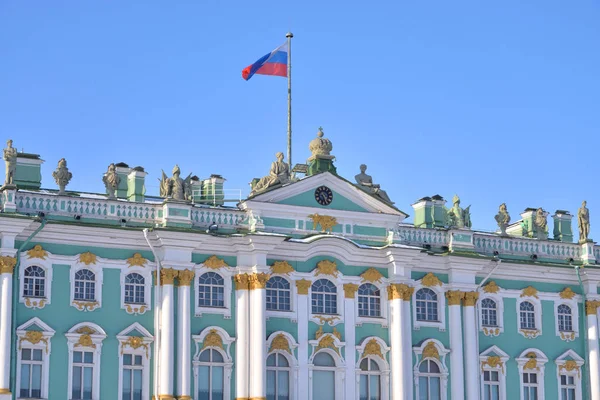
x=184 y=397
x=5 y=394
x=163 y=397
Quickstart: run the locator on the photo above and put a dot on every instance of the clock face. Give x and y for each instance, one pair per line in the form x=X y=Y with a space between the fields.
x=323 y=195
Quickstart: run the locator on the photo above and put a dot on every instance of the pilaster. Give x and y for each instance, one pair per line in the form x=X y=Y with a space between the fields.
x=7 y=266
x=242 y=336
x=258 y=334
x=302 y=286
x=184 y=351
x=167 y=337
x=396 y=294
x=350 y=338
x=470 y=345
x=591 y=311
x=456 y=344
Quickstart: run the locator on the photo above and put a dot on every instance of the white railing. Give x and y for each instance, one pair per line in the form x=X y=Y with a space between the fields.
x=215 y=197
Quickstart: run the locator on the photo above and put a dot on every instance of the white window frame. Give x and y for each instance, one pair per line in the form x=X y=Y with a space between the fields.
x=333 y=319
x=227 y=275
x=561 y=369
x=98 y=274
x=292 y=314
x=293 y=345
x=489 y=331
x=537 y=307
x=225 y=352
x=143 y=349
x=384 y=366
x=440 y=292
x=137 y=308
x=572 y=303
x=339 y=370
x=383 y=308
x=44 y=344
x=483 y=361
x=541 y=361
x=74 y=336
x=441 y=361
x=36 y=302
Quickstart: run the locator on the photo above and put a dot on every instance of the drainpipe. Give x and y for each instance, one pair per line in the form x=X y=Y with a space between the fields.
x=157 y=314
x=585 y=335
x=15 y=300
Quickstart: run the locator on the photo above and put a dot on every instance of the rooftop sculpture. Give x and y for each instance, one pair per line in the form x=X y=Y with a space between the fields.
x=10 y=158
x=541 y=224
x=111 y=181
x=457 y=216
x=175 y=187
x=365 y=182
x=583 y=222
x=62 y=176
x=503 y=219
x=278 y=175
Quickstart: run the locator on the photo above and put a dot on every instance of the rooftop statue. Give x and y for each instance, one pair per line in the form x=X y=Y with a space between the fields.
x=583 y=221
x=111 y=181
x=62 y=176
x=320 y=147
x=458 y=217
x=278 y=175
x=10 y=157
x=503 y=219
x=541 y=224
x=365 y=182
x=176 y=188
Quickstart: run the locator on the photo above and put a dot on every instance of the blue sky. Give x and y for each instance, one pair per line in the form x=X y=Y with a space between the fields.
x=495 y=101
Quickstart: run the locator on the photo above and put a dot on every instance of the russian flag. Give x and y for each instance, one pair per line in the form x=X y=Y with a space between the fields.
x=274 y=63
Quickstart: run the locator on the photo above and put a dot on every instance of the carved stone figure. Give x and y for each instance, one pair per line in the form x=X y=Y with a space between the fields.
x=175 y=187
x=541 y=224
x=62 y=176
x=365 y=182
x=457 y=216
x=502 y=218
x=279 y=174
x=583 y=221
x=111 y=181
x=320 y=147
x=10 y=157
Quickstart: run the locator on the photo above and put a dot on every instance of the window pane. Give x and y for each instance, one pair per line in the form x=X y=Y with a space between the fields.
x=364 y=388
x=374 y=387
x=423 y=388
x=283 y=385
x=217 y=383
x=126 y=384
x=434 y=388
x=25 y=380
x=36 y=380
x=271 y=385
x=87 y=383
x=76 y=392
x=323 y=385
x=203 y=382
x=137 y=384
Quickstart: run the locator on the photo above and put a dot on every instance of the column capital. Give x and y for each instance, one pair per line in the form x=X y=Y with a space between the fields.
x=470 y=298
x=400 y=291
x=350 y=290
x=167 y=277
x=258 y=280
x=185 y=277
x=302 y=285
x=7 y=264
x=454 y=297
x=591 y=307
x=241 y=282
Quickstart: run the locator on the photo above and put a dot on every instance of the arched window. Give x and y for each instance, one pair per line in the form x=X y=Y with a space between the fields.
x=527 y=315
x=324 y=297
x=85 y=285
x=369 y=301
x=211 y=290
x=430 y=380
x=34 y=284
x=278 y=377
x=211 y=375
x=370 y=380
x=278 y=294
x=134 y=289
x=427 y=305
x=323 y=377
x=565 y=319
x=489 y=312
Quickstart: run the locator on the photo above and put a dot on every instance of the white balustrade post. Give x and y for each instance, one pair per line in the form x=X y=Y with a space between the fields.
x=350 y=339
x=7 y=265
x=302 y=287
x=591 y=310
x=397 y=358
x=167 y=337
x=471 y=353
x=242 y=335
x=456 y=345
x=258 y=333
x=184 y=336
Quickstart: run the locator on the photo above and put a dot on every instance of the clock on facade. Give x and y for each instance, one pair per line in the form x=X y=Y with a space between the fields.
x=323 y=195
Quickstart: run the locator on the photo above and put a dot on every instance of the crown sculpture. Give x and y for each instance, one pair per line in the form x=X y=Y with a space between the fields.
x=321 y=159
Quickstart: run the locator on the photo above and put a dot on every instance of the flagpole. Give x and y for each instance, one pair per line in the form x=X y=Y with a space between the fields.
x=289 y=37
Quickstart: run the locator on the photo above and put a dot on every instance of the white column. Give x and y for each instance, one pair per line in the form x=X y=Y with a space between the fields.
x=407 y=343
x=258 y=333
x=167 y=337
x=471 y=343
x=241 y=333
x=350 y=339
x=396 y=342
x=7 y=265
x=591 y=310
x=456 y=347
x=184 y=351
x=302 y=301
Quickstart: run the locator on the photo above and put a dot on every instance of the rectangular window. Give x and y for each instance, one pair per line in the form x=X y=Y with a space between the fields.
x=83 y=373
x=85 y=290
x=491 y=385
x=31 y=374
x=132 y=377
x=530 y=386
x=567 y=387
x=489 y=317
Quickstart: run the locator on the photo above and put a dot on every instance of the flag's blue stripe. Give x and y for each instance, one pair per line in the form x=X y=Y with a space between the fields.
x=279 y=57
x=258 y=64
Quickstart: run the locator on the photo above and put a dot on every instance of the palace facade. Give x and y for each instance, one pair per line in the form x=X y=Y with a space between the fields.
x=313 y=288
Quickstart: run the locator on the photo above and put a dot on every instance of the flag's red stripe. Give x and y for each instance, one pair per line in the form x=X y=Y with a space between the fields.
x=276 y=69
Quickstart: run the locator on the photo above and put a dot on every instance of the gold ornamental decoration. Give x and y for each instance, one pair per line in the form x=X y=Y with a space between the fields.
x=281 y=267
x=337 y=334
x=302 y=285
x=135 y=309
x=326 y=222
x=430 y=280
x=491 y=331
x=85 y=340
x=430 y=351
x=35 y=302
x=85 y=305
x=7 y=264
x=135 y=342
x=407 y=292
x=350 y=290
x=327 y=341
x=213 y=262
x=319 y=333
x=454 y=297
x=371 y=275
x=241 y=281
x=258 y=280
x=167 y=276
x=136 y=261
x=326 y=267
x=85 y=330
x=532 y=362
x=399 y=291
x=326 y=320
x=34 y=337
x=567 y=337
x=37 y=252
x=491 y=287
x=470 y=298
x=280 y=343
x=213 y=339
x=530 y=333
x=372 y=348
x=185 y=277
x=569 y=366
x=530 y=291
x=87 y=258
x=591 y=307
x=493 y=362
x=567 y=294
